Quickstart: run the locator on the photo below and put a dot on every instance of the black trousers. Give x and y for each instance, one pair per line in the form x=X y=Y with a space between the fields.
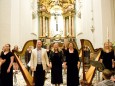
x=39 y=76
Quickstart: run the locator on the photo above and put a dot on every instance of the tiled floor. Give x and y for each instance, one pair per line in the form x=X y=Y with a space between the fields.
x=19 y=80
x=48 y=81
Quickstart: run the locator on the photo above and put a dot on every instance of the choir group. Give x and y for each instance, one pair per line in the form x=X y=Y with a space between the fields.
x=55 y=58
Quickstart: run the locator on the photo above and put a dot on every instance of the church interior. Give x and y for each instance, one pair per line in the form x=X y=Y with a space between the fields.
x=88 y=23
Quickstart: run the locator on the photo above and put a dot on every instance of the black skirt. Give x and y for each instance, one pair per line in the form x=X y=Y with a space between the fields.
x=56 y=75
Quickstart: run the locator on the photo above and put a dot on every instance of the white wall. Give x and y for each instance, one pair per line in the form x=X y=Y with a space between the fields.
x=106 y=19
x=96 y=37
x=103 y=18
x=25 y=22
x=113 y=19
x=5 y=22
x=15 y=22
x=98 y=33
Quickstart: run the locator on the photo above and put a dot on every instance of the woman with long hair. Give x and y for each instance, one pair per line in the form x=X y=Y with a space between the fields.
x=107 y=56
x=64 y=49
x=72 y=62
x=56 y=59
x=7 y=67
x=15 y=65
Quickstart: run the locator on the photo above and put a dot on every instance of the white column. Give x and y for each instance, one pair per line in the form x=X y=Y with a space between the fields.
x=64 y=27
x=73 y=33
x=70 y=25
x=49 y=32
x=47 y=27
x=44 y=26
x=40 y=26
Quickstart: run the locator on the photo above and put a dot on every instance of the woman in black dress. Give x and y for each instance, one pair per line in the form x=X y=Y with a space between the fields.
x=56 y=59
x=64 y=49
x=15 y=64
x=1 y=62
x=6 y=67
x=28 y=57
x=72 y=62
x=107 y=56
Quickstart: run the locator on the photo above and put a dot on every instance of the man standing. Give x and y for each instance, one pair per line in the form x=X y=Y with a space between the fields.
x=38 y=63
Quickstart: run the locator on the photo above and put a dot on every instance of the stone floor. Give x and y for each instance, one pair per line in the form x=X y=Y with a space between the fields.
x=19 y=80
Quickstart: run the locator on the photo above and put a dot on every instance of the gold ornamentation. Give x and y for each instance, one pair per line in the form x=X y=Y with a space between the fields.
x=57 y=37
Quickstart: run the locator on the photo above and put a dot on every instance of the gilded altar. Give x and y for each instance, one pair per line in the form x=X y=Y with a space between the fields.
x=56 y=19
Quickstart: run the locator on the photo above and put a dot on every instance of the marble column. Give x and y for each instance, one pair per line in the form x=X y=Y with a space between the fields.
x=64 y=27
x=46 y=22
x=73 y=33
x=48 y=27
x=69 y=25
x=44 y=26
x=40 y=26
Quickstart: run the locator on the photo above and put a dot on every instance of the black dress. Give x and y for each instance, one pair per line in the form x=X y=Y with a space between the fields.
x=48 y=53
x=6 y=78
x=56 y=70
x=107 y=59
x=27 y=57
x=72 y=69
x=14 y=51
x=87 y=56
x=64 y=52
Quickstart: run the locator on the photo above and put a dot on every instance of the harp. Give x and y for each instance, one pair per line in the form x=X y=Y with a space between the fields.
x=29 y=79
x=27 y=76
x=26 y=45
x=88 y=76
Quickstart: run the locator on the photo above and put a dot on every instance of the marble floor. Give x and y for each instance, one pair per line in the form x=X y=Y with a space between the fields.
x=19 y=80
